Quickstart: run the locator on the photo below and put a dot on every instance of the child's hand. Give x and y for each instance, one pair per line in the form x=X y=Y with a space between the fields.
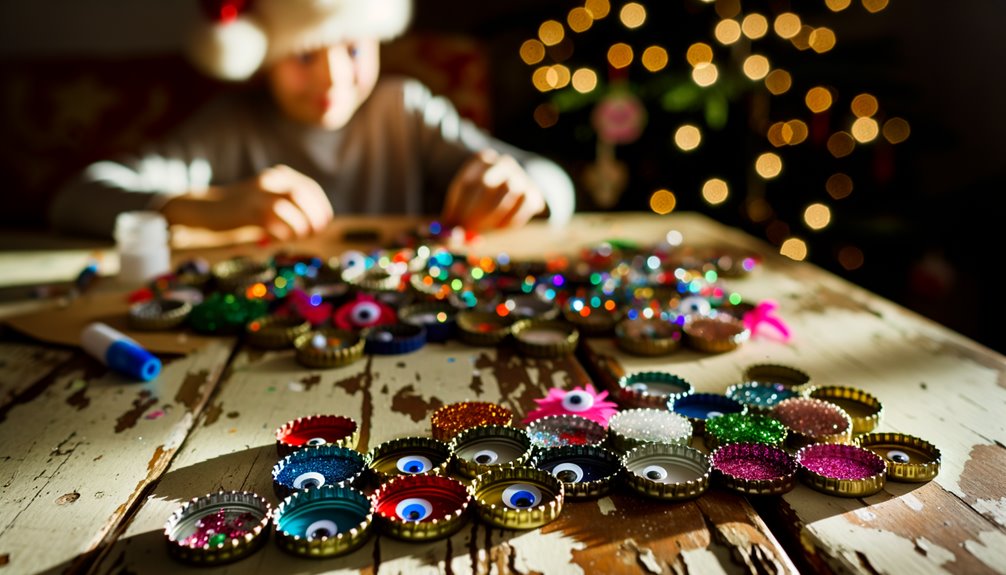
x=491 y=191
x=281 y=200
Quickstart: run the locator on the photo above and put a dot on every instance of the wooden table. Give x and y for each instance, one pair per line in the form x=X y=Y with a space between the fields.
x=91 y=465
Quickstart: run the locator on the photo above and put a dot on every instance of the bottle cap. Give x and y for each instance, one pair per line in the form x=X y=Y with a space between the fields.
x=327 y=348
x=316 y=430
x=664 y=471
x=218 y=528
x=754 y=468
x=236 y=274
x=840 y=469
x=648 y=337
x=760 y=397
x=864 y=409
x=630 y=428
x=744 y=428
x=221 y=314
x=561 y=430
x=790 y=377
x=586 y=471
x=486 y=447
x=482 y=328
x=517 y=497
x=530 y=306
x=421 y=507
x=700 y=407
x=313 y=467
x=410 y=456
x=378 y=279
x=813 y=421
x=715 y=334
x=909 y=458
x=394 y=339
x=159 y=314
x=449 y=420
x=652 y=389
x=545 y=338
x=275 y=332
x=323 y=522
x=439 y=319
x=592 y=321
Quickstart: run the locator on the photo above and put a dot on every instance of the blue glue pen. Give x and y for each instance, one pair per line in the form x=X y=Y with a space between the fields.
x=119 y=352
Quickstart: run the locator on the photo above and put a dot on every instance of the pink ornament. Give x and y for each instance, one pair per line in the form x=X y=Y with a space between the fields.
x=586 y=403
x=764 y=313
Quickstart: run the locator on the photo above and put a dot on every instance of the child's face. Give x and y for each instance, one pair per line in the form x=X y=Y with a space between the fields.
x=325 y=87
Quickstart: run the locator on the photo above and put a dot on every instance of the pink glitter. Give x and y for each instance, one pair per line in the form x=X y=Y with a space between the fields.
x=839 y=461
x=811 y=417
x=753 y=462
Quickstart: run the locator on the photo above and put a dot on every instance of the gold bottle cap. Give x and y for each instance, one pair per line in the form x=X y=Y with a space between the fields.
x=545 y=338
x=791 y=377
x=761 y=396
x=421 y=507
x=235 y=274
x=633 y=427
x=656 y=389
x=409 y=456
x=439 y=319
x=648 y=337
x=517 y=497
x=754 y=468
x=717 y=334
x=314 y=467
x=586 y=471
x=664 y=471
x=327 y=348
x=378 y=279
x=909 y=459
x=480 y=449
x=813 y=421
x=744 y=428
x=275 y=332
x=841 y=469
x=482 y=328
x=561 y=430
x=158 y=314
x=531 y=306
x=864 y=409
x=323 y=522
x=218 y=528
x=453 y=418
x=315 y=430
x=598 y=321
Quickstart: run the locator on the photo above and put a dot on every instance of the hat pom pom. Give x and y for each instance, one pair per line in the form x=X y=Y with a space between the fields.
x=230 y=50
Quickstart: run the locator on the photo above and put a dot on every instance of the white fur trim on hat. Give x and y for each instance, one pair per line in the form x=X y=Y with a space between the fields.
x=273 y=29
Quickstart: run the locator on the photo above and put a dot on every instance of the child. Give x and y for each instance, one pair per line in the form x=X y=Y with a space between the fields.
x=327 y=138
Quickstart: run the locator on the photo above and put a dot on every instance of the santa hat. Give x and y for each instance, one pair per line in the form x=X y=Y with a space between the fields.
x=236 y=37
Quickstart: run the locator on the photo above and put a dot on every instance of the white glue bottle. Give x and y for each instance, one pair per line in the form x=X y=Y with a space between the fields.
x=143 y=246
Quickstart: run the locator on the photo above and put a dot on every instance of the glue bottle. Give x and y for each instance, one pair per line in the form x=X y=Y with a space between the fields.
x=142 y=243
x=119 y=352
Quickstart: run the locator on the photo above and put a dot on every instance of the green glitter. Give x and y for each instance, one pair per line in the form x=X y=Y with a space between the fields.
x=217 y=539
x=737 y=428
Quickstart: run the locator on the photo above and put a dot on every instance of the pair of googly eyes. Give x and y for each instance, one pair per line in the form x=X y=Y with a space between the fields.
x=413 y=464
x=309 y=480
x=696 y=305
x=413 y=509
x=577 y=401
x=521 y=496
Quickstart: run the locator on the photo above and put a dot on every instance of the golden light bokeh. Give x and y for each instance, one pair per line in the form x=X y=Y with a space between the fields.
x=851 y=258
x=699 y=53
x=715 y=191
x=687 y=137
x=551 y=32
x=774 y=134
x=864 y=105
x=663 y=201
x=597 y=8
x=727 y=31
x=802 y=39
x=787 y=25
x=541 y=79
x=865 y=130
x=728 y=8
x=754 y=26
x=896 y=130
x=837 y=5
x=620 y=55
x=822 y=39
x=818 y=99
x=562 y=76
x=817 y=216
x=768 y=165
x=655 y=58
x=584 y=80
x=841 y=144
x=546 y=115
x=632 y=15
x=794 y=249
x=874 y=6
x=705 y=75
x=839 y=186
x=795 y=132
x=756 y=66
x=532 y=52
x=579 y=19
x=778 y=81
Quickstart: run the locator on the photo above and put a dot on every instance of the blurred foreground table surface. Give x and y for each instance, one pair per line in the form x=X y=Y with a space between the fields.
x=91 y=465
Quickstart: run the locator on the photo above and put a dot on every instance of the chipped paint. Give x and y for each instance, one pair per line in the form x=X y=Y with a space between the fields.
x=605 y=505
x=842 y=544
x=698 y=561
x=190 y=393
x=865 y=514
x=990 y=549
x=911 y=501
x=994 y=509
x=144 y=401
x=408 y=402
x=67 y=498
x=644 y=556
x=530 y=556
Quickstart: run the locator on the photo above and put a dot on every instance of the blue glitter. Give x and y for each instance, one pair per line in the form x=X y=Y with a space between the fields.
x=699 y=405
x=764 y=394
x=335 y=469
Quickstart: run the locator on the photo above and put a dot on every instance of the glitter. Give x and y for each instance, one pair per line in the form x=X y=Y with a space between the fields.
x=838 y=461
x=705 y=405
x=560 y=430
x=452 y=418
x=224 y=524
x=817 y=420
x=738 y=428
x=650 y=426
x=307 y=468
x=759 y=394
x=753 y=462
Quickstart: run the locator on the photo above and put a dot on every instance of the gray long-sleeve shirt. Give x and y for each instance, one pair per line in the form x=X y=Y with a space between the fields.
x=397 y=155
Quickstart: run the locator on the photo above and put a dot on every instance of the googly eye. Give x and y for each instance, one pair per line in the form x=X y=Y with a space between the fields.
x=654 y=473
x=577 y=401
x=316 y=441
x=365 y=313
x=898 y=456
x=695 y=305
x=321 y=529
x=485 y=457
x=639 y=387
x=521 y=496
x=413 y=509
x=568 y=472
x=713 y=414
x=353 y=263
x=414 y=464
x=309 y=480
